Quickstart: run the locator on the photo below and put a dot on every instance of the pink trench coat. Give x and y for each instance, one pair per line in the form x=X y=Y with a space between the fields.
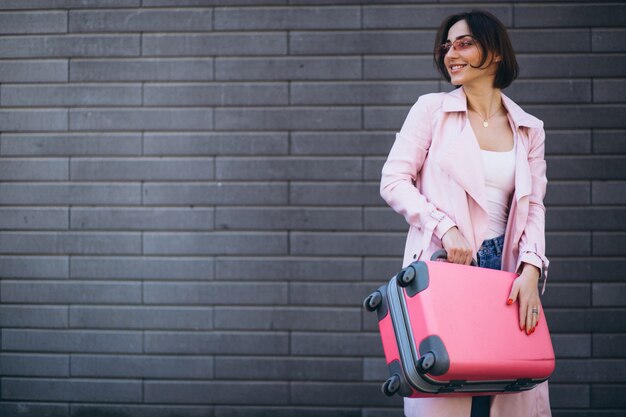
x=434 y=178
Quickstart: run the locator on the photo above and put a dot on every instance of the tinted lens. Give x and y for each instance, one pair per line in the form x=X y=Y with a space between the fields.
x=444 y=48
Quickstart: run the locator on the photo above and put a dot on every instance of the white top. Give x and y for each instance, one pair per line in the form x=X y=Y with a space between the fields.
x=499 y=183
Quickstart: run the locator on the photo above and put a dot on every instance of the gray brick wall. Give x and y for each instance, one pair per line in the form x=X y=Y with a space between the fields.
x=189 y=209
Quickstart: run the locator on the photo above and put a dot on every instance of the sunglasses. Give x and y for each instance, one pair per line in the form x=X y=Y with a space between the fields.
x=460 y=44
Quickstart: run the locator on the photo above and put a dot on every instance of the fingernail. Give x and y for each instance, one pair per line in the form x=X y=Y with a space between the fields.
x=509 y=301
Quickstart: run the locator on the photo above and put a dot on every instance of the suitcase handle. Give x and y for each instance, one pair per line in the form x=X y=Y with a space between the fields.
x=442 y=254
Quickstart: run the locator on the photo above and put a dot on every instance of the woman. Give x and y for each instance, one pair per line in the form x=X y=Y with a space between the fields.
x=467 y=171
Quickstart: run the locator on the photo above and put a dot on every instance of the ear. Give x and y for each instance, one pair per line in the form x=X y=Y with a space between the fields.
x=498 y=58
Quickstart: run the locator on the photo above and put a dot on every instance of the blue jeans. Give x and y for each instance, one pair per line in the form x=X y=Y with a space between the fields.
x=489 y=256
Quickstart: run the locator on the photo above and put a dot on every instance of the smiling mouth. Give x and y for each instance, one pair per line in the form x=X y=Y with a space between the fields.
x=456 y=67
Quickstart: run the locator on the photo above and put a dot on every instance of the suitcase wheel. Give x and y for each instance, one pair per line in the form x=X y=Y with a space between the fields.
x=406 y=277
x=373 y=301
x=391 y=385
x=426 y=362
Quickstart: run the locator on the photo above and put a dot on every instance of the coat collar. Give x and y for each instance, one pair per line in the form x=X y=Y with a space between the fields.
x=456 y=101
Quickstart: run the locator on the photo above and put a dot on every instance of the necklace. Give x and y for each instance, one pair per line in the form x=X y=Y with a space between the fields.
x=486 y=119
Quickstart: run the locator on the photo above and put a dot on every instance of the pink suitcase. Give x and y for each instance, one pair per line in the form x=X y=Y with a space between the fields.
x=447 y=331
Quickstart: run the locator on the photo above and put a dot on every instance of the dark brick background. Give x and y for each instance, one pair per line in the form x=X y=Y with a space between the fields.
x=189 y=205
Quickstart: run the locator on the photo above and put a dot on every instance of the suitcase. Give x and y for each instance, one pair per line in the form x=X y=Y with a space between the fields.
x=447 y=331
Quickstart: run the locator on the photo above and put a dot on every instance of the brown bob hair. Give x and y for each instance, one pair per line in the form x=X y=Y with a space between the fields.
x=490 y=36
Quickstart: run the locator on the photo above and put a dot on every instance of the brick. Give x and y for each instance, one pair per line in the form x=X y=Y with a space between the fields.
x=607 y=40
x=608 y=295
x=142 y=318
x=230 y=343
x=595 y=168
x=221 y=392
x=234 y=218
x=215 y=293
x=361 y=42
x=216 y=94
x=33 y=316
x=71 y=95
x=49 y=70
x=589 y=370
x=569 y=15
x=290 y=68
x=359 y=244
x=289 y=411
x=379 y=118
x=567 y=319
x=145 y=366
x=153 y=3
x=64 y=4
x=550 y=91
x=8 y=408
x=339 y=394
x=244 y=193
x=140 y=410
x=203 y=44
x=335 y=193
x=71 y=390
x=609 y=345
x=144 y=20
x=583 y=218
x=28 y=22
x=609 y=91
x=141 y=119
x=571 y=346
x=142 y=218
x=29 y=120
x=341 y=143
x=420 y=17
x=388 y=67
x=571 y=65
x=608 y=192
x=273 y=118
x=567 y=193
x=336 y=344
x=608 y=396
x=380 y=269
x=60 y=46
x=290 y=268
x=72 y=341
x=215 y=243
x=299 y=369
x=38 y=267
x=586 y=269
x=33 y=218
x=293 y=168
x=300 y=318
x=606 y=320
x=607 y=244
x=70 y=292
x=382 y=412
x=372 y=168
x=18 y=364
x=32 y=169
x=569 y=396
x=69 y=243
x=141 y=69
x=70 y=144
x=247 y=18
x=145 y=267
x=567 y=116
x=216 y=143
x=568 y=142
x=70 y=193
x=609 y=141
x=375 y=369
x=563 y=40
x=383 y=219
x=567 y=295
x=304 y=93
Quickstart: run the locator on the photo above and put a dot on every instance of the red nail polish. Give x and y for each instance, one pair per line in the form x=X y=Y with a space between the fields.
x=509 y=301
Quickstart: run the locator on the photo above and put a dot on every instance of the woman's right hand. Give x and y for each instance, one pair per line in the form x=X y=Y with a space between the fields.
x=458 y=248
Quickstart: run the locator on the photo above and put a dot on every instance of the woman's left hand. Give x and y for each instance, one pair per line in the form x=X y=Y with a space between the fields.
x=525 y=291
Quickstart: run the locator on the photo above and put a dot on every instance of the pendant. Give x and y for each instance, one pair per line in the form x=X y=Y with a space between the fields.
x=485 y=123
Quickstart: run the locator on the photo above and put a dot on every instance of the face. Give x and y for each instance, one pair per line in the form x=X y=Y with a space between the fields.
x=462 y=59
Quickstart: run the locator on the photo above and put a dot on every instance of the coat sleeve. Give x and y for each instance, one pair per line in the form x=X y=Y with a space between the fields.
x=399 y=174
x=533 y=240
